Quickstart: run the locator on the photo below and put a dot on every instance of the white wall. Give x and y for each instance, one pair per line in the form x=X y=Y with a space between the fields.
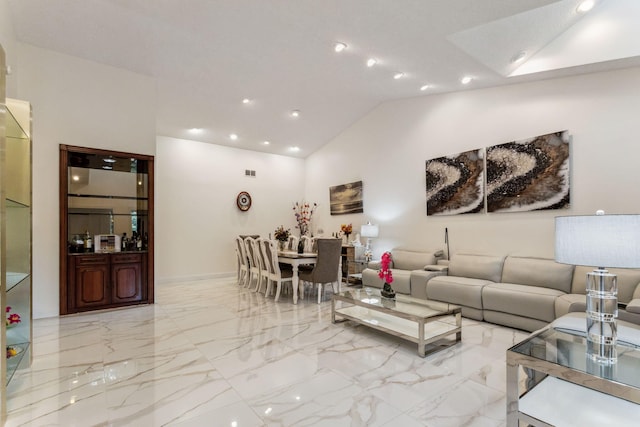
x=196 y=213
x=8 y=42
x=387 y=150
x=75 y=102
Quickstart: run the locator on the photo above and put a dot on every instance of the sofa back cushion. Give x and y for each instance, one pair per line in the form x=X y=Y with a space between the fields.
x=404 y=259
x=628 y=280
x=484 y=267
x=541 y=272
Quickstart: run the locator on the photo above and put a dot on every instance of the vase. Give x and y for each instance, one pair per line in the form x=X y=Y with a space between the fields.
x=301 y=245
x=282 y=245
x=387 y=291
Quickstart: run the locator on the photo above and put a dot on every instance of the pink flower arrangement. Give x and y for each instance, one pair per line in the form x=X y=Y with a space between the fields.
x=12 y=319
x=303 y=213
x=385 y=271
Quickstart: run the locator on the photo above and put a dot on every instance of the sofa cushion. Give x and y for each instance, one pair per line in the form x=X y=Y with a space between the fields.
x=538 y=272
x=576 y=323
x=628 y=280
x=483 y=267
x=457 y=290
x=411 y=260
x=419 y=280
x=529 y=301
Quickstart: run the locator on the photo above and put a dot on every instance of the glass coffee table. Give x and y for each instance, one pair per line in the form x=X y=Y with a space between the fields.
x=551 y=381
x=426 y=323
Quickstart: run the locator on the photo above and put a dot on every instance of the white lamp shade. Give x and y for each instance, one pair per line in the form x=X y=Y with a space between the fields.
x=369 y=230
x=599 y=240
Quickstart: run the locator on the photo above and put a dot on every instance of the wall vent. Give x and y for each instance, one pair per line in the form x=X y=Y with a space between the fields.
x=249 y=172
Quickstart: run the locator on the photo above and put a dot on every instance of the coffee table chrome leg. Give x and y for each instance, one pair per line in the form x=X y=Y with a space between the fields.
x=421 y=345
x=333 y=310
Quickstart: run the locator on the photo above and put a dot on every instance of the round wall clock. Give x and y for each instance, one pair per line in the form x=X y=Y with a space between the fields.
x=243 y=201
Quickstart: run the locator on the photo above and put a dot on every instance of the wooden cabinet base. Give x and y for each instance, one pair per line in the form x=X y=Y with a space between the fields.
x=99 y=281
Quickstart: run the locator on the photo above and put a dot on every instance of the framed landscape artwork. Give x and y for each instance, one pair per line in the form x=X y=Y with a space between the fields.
x=455 y=184
x=531 y=174
x=346 y=198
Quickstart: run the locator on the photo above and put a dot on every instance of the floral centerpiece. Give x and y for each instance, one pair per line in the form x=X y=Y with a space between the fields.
x=281 y=234
x=303 y=213
x=386 y=275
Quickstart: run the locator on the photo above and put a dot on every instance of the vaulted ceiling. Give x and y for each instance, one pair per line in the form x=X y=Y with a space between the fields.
x=242 y=67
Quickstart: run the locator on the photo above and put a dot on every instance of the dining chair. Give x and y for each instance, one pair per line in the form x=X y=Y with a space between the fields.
x=264 y=266
x=326 y=269
x=254 y=268
x=257 y=260
x=276 y=275
x=243 y=266
x=308 y=243
x=292 y=243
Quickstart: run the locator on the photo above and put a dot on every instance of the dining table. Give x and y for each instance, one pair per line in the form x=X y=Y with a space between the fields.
x=295 y=259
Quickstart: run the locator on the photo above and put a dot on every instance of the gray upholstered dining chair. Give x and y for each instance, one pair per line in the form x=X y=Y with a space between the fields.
x=327 y=268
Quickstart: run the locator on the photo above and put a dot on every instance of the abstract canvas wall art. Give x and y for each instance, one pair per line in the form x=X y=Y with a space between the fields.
x=531 y=174
x=346 y=198
x=455 y=184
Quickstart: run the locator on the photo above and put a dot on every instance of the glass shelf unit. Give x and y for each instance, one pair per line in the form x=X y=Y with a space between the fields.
x=18 y=235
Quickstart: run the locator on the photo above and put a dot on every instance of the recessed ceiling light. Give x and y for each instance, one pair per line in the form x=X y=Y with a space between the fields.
x=339 y=47
x=518 y=57
x=266 y=143
x=585 y=6
x=233 y=136
x=295 y=113
x=294 y=148
x=466 y=80
x=398 y=75
x=195 y=130
x=76 y=178
x=371 y=62
x=246 y=101
x=424 y=87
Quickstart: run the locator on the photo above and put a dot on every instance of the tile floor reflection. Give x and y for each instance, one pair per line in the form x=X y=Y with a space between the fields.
x=211 y=354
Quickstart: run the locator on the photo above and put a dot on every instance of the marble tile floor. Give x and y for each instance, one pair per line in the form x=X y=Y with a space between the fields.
x=209 y=353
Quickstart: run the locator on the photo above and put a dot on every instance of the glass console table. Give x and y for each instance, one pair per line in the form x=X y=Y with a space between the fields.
x=426 y=323
x=552 y=382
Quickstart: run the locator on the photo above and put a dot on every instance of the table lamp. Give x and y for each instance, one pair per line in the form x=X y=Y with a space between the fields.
x=604 y=241
x=368 y=230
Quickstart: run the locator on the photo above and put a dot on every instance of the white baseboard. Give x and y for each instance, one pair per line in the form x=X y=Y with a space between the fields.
x=195 y=277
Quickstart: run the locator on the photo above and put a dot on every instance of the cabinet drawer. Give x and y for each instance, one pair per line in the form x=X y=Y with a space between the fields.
x=91 y=259
x=126 y=258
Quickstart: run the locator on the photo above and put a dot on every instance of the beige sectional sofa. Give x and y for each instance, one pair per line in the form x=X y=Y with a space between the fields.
x=520 y=292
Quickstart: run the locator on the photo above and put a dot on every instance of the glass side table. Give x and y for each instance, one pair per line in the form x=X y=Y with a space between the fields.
x=354 y=271
x=552 y=382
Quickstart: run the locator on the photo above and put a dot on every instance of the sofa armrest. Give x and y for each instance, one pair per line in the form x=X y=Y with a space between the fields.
x=634 y=306
x=432 y=267
x=443 y=262
x=374 y=265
